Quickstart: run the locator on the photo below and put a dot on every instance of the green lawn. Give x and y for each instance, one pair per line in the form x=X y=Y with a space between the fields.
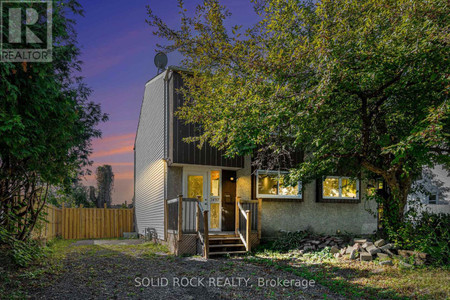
x=351 y=279
x=15 y=282
x=355 y=279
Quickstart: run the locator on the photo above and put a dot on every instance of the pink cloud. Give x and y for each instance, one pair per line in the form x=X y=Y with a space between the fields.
x=115 y=151
x=124 y=175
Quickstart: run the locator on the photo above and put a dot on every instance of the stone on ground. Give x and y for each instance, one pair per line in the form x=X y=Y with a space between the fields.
x=386 y=247
x=380 y=243
x=360 y=241
x=365 y=257
x=373 y=250
x=386 y=263
x=353 y=254
x=382 y=255
x=405 y=265
x=334 y=249
x=367 y=244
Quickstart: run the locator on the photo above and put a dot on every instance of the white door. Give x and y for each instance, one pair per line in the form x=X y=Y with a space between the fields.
x=207 y=184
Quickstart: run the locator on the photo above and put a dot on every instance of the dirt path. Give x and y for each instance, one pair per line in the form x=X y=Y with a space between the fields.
x=126 y=272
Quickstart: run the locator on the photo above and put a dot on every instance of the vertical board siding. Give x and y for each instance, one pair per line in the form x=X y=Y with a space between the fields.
x=149 y=163
x=189 y=153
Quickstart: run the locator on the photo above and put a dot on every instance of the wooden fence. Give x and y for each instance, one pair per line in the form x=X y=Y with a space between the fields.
x=52 y=227
x=86 y=223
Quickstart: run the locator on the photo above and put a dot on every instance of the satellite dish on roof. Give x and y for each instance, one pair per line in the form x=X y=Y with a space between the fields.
x=160 y=61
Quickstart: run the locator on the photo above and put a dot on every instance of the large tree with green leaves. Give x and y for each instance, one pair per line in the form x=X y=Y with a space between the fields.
x=46 y=125
x=356 y=85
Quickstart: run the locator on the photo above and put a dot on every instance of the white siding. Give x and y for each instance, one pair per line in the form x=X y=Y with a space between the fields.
x=150 y=166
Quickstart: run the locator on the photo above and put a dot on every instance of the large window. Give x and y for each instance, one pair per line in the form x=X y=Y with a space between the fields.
x=340 y=188
x=270 y=185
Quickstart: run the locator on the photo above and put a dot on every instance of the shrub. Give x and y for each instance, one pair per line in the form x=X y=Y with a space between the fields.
x=428 y=233
x=17 y=252
x=289 y=240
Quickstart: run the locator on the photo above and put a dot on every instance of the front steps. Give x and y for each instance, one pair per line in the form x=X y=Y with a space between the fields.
x=221 y=244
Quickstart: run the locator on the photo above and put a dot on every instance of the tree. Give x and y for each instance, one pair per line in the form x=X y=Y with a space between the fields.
x=72 y=196
x=105 y=185
x=358 y=86
x=46 y=126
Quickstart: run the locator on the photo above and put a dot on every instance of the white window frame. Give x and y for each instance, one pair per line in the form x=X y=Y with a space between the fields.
x=258 y=195
x=340 y=188
x=437 y=198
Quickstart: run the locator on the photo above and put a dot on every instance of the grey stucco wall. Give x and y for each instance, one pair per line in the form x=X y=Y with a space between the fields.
x=324 y=218
x=174 y=182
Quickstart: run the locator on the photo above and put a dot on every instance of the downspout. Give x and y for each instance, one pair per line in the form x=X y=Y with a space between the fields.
x=166 y=136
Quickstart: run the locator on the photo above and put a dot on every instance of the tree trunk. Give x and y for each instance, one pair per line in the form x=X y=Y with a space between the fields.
x=399 y=184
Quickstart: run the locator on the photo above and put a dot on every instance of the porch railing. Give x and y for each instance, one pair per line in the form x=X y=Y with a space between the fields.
x=187 y=215
x=202 y=227
x=248 y=219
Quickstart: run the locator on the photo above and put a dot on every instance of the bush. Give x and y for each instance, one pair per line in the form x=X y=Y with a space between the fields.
x=428 y=233
x=16 y=252
x=289 y=240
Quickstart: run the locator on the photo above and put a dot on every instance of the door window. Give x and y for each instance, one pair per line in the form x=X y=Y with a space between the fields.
x=195 y=186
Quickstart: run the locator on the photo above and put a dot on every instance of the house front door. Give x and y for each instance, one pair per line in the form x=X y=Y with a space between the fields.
x=207 y=185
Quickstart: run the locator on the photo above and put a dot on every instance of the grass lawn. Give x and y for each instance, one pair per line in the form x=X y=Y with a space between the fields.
x=108 y=271
x=15 y=282
x=355 y=279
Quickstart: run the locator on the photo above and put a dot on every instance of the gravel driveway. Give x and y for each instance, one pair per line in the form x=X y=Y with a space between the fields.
x=145 y=272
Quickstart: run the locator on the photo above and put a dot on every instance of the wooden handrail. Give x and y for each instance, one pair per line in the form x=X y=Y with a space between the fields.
x=259 y=217
x=247 y=214
x=180 y=217
x=206 y=235
x=236 y=216
x=242 y=210
x=249 y=229
x=172 y=201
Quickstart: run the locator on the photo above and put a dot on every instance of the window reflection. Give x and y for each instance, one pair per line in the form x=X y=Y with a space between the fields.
x=331 y=187
x=215 y=183
x=268 y=183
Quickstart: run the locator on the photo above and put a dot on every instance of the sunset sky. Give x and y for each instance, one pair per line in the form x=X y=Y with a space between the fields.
x=117 y=51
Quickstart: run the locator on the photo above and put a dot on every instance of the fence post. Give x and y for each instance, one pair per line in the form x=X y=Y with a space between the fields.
x=236 y=217
x=82 y=233
x=180 y=217
x=166 y=219
x=259 y=217
x=249 y=229
x=206 y=237
x=104 y=221
x=63 y=221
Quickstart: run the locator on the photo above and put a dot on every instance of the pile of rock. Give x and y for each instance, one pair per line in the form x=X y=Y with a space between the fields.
x=314 y=243
x=365 y=250
x=362 y=249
